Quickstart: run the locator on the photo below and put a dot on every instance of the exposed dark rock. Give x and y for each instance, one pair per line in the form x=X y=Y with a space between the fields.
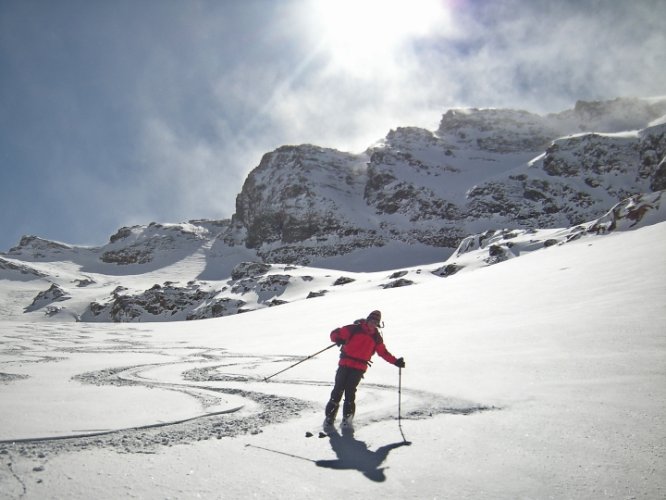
x=497 y=254
x=659 y=180
x=121 y=234
x=160 y=302
x=398 y=274
x=53 y=294
x=249 y=270
x=127 y=256
x=448 y=270
x=84 y=282
x=217 y=308
x=343 y=280
x=22 y=269
x=398 y=283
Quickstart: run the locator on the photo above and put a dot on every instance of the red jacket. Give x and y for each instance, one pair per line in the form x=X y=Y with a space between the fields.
x=361 y=340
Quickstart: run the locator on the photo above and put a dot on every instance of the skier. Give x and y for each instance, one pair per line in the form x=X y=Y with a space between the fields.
x=358 y=341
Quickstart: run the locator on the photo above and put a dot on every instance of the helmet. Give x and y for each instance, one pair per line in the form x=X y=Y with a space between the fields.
x=375 y=316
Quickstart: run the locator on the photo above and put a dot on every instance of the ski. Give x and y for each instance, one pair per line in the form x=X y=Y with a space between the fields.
x=322 y=434
x=346 y=428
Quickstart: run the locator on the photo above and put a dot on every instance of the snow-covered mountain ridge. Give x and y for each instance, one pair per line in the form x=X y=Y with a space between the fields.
x=480 y=170
x=55 y=286
x=503 y=182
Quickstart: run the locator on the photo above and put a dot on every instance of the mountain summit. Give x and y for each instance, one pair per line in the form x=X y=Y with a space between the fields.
x=423 y=191
x=489 y=178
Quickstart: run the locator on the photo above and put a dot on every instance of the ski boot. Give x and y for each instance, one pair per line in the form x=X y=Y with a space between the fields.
x=348 y=415
x=331 y=411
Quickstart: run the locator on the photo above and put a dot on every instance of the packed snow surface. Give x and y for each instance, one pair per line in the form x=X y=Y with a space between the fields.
x=538 y=377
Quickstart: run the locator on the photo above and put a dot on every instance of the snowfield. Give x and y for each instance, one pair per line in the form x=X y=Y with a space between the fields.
x=538 y=377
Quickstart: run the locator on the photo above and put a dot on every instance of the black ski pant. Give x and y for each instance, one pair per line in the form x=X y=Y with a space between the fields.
x=346 y=382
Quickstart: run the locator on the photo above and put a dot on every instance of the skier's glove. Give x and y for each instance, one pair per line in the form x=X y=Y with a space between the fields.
x=400 y=362
x=340 y=343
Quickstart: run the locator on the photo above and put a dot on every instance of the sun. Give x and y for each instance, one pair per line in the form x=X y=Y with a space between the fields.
x=357 y=33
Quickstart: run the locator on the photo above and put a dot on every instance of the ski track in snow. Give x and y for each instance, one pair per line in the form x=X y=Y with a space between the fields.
x=211 y=376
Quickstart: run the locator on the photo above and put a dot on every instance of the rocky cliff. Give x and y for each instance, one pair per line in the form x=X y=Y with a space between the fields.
x=486 y=186
x=481 y=169
x=417 y=193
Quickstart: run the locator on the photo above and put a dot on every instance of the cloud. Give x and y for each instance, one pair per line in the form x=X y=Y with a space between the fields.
x=197 y=177
x=544 y=55
x=540 y=56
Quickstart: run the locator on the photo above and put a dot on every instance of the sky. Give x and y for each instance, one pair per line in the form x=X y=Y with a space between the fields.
x=128 y=112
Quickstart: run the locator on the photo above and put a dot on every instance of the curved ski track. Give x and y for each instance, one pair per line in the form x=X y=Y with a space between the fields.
x=213 y=377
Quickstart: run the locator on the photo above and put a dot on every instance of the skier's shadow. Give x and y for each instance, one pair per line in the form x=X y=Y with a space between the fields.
x=355 y=455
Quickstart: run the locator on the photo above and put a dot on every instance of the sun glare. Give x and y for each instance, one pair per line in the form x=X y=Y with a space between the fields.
x=369 y=32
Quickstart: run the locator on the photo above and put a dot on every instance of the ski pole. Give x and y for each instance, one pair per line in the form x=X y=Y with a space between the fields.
x=299 y=362
x=400 y=404
x=400 y=397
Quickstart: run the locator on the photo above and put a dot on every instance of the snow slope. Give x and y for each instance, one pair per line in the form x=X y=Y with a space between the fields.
x=538 y=377
x=44 y=281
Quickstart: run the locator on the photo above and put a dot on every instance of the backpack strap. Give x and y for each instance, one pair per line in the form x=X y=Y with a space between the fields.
x=378 y=337
x=355 y=329
x=344 y=355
